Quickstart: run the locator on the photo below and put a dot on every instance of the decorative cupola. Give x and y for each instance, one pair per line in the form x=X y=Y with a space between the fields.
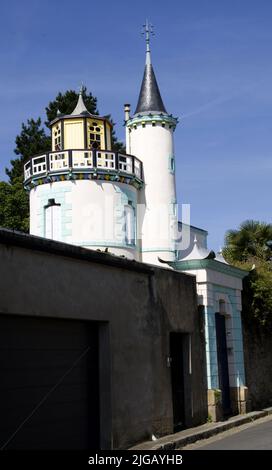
x=81 y=129
x=149 y=135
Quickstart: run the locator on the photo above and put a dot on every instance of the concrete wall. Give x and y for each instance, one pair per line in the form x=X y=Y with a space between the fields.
x=258 y=365
x=138 y=305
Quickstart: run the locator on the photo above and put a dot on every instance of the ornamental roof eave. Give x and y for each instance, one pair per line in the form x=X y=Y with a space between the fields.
x=211 y=264
x=152 y=116
x=82 y=115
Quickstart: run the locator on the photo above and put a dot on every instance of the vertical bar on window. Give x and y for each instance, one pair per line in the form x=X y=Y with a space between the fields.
x=47 y=167
x=85 y=133
x=133 y=165
x=116 y=155
x=62 y=134
x=70 y=158
x=94 y=158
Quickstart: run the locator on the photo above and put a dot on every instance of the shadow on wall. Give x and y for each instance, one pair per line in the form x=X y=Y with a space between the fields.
x=258 y=365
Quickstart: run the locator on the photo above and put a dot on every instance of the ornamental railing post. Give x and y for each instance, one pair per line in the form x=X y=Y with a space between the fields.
x=117 y=161
x=94 y=158
x=47 y=162
x=70 y=158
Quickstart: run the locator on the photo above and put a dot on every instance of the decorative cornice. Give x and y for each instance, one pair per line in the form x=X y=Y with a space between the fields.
x=209 y=264
x=94 y=175
x=150 y=117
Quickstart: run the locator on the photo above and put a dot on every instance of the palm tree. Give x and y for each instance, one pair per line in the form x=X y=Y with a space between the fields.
x=250 y=241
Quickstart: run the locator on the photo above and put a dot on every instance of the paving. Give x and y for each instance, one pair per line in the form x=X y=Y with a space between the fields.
x=189 y=436
x=250 y=436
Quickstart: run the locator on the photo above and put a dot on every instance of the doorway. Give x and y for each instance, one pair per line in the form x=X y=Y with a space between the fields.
x=222 y=360
x=177 y=378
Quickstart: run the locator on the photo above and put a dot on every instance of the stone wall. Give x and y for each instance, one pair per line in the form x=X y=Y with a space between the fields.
x=258 y=365
x=139 y=304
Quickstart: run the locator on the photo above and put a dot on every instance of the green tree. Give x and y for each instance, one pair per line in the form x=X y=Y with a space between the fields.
x=14 y=211
x=248 y=248
x=31 y=141
x=250 y=240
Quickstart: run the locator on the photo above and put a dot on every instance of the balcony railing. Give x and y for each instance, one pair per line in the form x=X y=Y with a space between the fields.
x=103 y=161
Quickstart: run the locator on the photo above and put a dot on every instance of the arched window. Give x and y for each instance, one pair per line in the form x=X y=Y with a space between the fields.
x=129 y=225
x=52 y=220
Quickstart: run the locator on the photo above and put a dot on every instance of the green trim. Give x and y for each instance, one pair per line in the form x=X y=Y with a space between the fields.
x=152 y=117
x=83 y=174
x=209 y=264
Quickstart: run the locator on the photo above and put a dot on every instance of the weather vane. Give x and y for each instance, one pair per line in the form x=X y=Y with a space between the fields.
x=148 y=30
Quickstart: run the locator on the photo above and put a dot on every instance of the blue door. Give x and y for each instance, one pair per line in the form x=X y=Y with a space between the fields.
x=222 y=360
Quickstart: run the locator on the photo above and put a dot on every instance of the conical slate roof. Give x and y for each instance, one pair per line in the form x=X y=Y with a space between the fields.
x=150 y=99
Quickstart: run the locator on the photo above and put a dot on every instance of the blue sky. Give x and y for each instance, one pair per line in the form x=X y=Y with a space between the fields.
x=213 y=63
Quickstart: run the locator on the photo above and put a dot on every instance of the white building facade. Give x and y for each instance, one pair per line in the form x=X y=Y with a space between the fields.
x=84 y=193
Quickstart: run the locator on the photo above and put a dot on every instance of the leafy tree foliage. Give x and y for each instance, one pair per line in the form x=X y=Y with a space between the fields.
x=31 y=141
x=14 y=211
x=250 y=240
x=249 y=248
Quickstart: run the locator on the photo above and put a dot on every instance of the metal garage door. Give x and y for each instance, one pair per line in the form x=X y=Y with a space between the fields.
x=48 y=384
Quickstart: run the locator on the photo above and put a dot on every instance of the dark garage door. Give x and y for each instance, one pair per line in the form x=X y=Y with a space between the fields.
x=48 y=384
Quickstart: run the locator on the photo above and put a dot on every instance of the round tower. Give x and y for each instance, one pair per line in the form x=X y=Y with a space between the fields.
x=83 y=192
x=149 y=135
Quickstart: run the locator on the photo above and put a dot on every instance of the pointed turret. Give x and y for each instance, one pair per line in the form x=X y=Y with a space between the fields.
x=80 y=107
x=149 y=134
x=150 y=99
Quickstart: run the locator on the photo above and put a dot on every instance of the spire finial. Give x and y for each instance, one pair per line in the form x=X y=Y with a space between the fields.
x=81 y=89
x=148 y=31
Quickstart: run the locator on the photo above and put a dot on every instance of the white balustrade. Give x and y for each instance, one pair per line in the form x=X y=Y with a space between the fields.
x=58 y=161
x=105 y=160
x=27 y=170
x=39 y=164
x=125 y=163
x=137 y=168
x=82 y=159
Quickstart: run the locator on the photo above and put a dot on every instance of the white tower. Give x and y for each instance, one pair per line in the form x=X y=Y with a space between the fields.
x=83 y=192
x=149 y=135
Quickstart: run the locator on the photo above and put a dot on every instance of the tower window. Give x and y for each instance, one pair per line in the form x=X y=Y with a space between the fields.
x=95 y=133
x=57 y=138
x=172 y=164
x=129 y=224
x=52 y=220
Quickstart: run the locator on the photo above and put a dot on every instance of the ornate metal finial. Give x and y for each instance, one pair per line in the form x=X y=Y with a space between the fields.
x=81 y=88
x=148 y=31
